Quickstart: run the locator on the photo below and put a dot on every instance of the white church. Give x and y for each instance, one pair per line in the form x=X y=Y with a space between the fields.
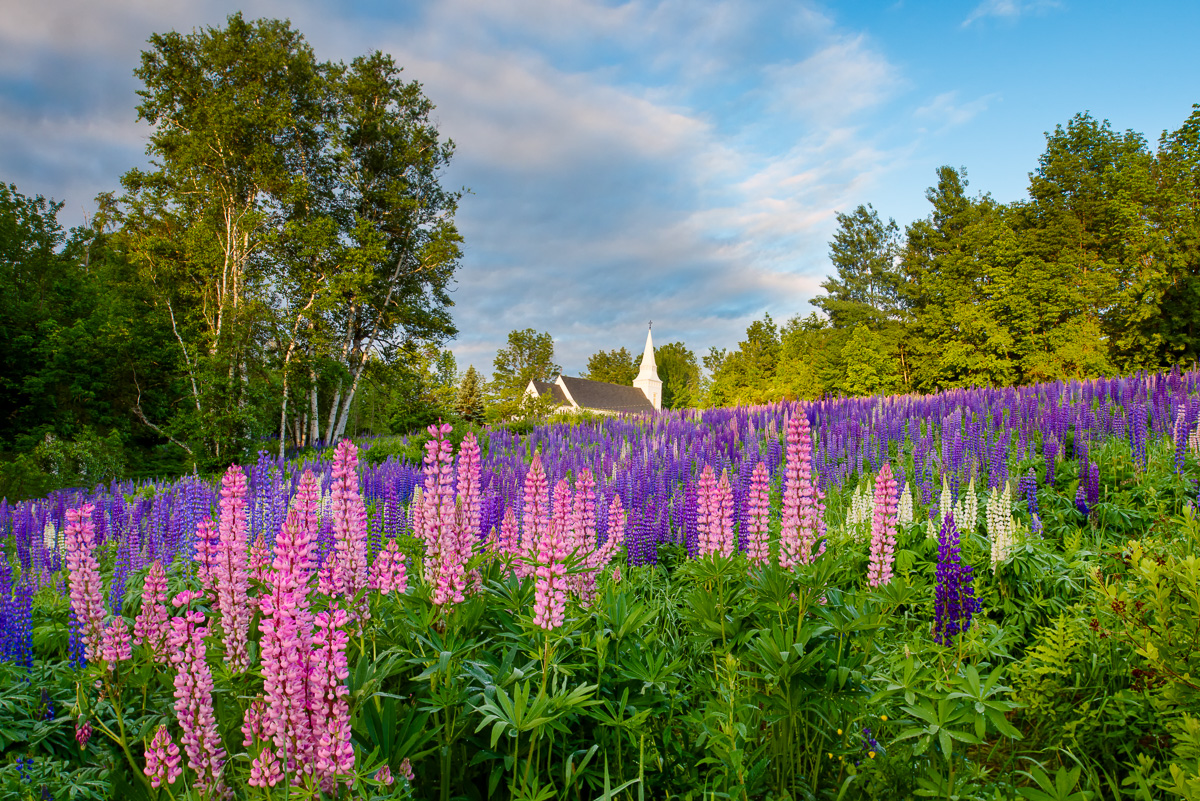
x=581 y=394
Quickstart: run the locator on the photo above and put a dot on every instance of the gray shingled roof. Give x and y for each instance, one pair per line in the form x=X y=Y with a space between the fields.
x=606 y=397
x=555 y=391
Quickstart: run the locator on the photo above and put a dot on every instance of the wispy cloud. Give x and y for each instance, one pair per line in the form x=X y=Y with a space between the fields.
x=945 y=111
x=1009 y=9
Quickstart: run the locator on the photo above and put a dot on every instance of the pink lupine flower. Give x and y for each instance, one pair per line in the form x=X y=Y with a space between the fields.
x=260 y=560
x=444 y=567
x=384 y=775
x=406 y=769
x=706 y=513
x=253 y=723
x=153 y=619
x=616 y=521
x=722 y=509
x=758 y=546
x=333 y=752
x=616 y=575
x=232 y=574
x=350 y=572
x=193 y=695
x=265 y=770
x=116 y=644
x=535 y=515
x=162 y=759
x=509 y=540
x=468 y=496
x=388 y=571
x=84 y=579
x=802 y=524
x=550 y=589
x=883 y=529
x=286 y=627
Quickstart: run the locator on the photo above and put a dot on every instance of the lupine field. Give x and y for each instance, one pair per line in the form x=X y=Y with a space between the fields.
x=987 y=593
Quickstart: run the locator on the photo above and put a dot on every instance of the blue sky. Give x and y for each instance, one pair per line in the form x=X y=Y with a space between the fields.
x=681 y=161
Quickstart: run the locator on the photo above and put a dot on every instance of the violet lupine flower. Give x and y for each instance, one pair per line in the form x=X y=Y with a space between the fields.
x=954 y=603
x=84 y=577
x=1081 y=498
x=193 y=694
x=153 y=620
x=162 y=759
x=802 y=525
x=444 y=568
x=231 y=572
x=550 y=589
x=1180 y=434
x=389 y=572
x=1027 y=488
x=758 y=545
x=883 y=529
x=207 y=555
x=115 y=643
x=332 y=752
x=1093 y=485
x=350 y=572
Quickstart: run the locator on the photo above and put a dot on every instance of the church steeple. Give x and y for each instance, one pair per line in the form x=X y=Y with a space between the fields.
x=647 y=379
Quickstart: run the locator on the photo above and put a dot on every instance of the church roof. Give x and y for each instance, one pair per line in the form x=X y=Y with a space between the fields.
x=555 y=391
x=605 y=397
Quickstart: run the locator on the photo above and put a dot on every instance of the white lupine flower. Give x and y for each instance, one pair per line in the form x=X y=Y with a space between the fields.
x=1001 y=524
x=966 y=513
x=945 y=504
x=861 y=510
x=1193 y=441
x=904 y=511
x=51 y=539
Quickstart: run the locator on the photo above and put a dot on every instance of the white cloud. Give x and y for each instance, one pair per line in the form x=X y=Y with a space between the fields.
x=843 y=78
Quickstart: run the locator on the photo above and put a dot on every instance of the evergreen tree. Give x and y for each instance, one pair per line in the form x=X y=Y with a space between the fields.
x=469 y=403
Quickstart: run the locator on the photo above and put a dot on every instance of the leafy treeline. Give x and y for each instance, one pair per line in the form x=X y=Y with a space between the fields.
x=281 y=267
x=1096 y=273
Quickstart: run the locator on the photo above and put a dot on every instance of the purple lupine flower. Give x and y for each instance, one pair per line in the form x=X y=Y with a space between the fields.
x=1093 y=485
x=1081 y=498
x=955 y=602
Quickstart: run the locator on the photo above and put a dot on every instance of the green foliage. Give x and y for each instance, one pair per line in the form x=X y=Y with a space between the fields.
x=529 y=356
x=613 y=367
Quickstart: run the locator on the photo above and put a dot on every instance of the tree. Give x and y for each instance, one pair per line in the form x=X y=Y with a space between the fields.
x=469 y=402
x=865 y=252
x=680 y=375
x=613 y=367
x=747 y=374
x=529 y=356
x=293 y=223
x=869 y=368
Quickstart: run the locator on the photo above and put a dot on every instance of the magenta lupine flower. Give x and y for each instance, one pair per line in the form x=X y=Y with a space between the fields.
x=802 y=525
x=193 y=694
x=706 y=522
x=883 y=529
x=153 y=619
x=550 y=589
x=389 y=572
x=115 y=642
x=384 y=775
x=535 y=515
x=232 y=573
x=444 y=568
x=83 y=732
x=406 y=769
x=333 y=752
x=265 y=770
x=287 y=627
x=758 y=507
x=722 y=507
x=162 y=759
x=87 y=600
x=350 y=572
